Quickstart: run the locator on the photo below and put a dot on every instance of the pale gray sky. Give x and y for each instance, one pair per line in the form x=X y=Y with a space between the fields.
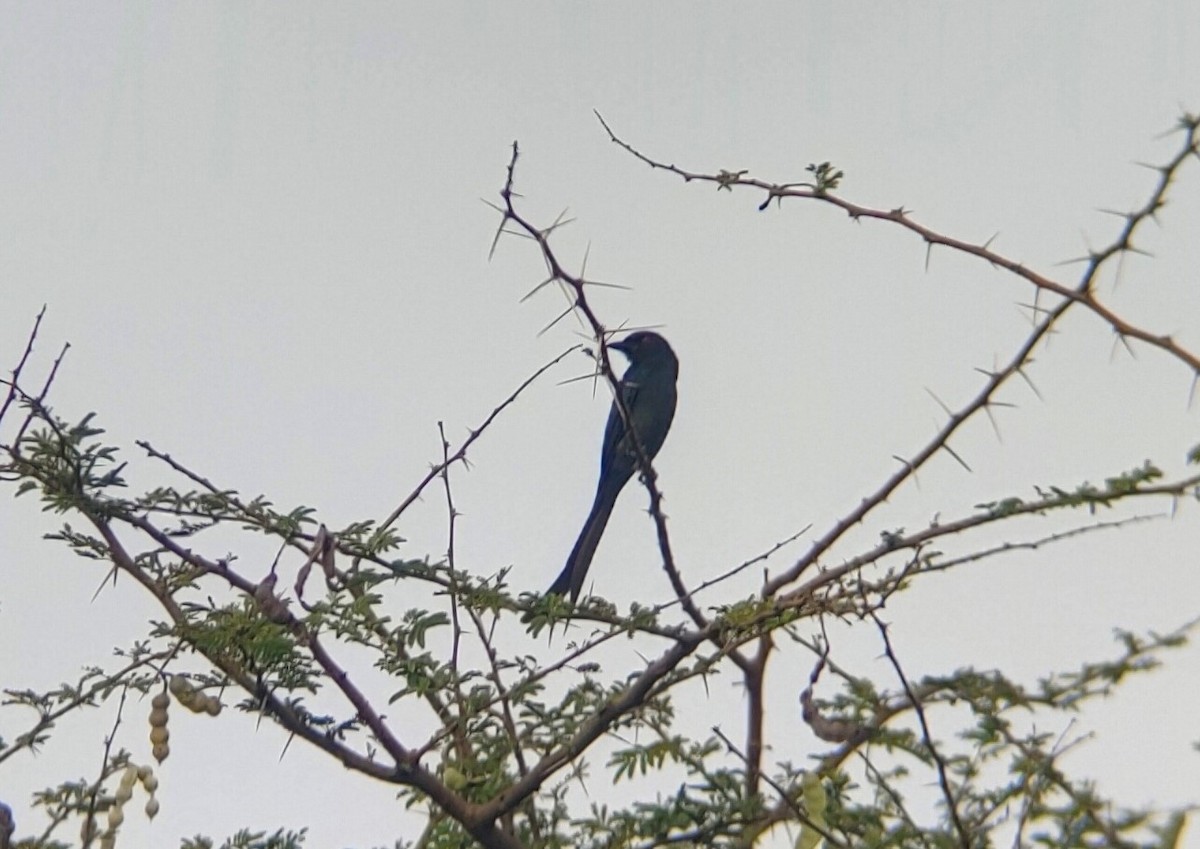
x=259 y=227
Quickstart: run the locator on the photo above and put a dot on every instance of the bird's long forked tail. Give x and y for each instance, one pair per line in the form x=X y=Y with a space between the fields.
x=570 y=580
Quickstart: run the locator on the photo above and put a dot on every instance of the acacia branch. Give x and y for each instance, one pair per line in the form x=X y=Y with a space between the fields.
x=917 y=539
x=47 y=719
x=964 y=839
x=1081 y=293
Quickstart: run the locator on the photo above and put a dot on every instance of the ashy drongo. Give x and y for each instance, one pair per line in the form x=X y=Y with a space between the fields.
x=648 y=389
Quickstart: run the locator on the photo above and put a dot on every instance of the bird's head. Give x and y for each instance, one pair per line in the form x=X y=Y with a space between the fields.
x=644 y=346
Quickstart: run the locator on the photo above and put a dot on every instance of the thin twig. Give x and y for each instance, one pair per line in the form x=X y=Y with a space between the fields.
x=461 y=452
x=14 y=383
x=964 y=838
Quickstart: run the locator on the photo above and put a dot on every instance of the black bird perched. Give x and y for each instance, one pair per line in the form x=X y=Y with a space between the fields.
x=648 y=389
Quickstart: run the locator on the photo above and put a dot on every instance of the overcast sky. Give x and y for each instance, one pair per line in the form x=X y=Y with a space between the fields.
x=259 y=227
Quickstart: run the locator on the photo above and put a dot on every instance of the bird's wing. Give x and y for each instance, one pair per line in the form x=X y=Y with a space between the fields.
x=616 y=450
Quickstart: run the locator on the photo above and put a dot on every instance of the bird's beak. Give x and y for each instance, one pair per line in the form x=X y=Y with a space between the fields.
x=621 y=346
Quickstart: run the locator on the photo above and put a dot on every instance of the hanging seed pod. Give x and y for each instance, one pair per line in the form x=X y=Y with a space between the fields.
x=124 y=793
x=159 y=734
x=151 y=807
x=160 y=752
x=815 y=802
x=150 y=783
x=183 y=691
x=116 y=816
x=158 y=712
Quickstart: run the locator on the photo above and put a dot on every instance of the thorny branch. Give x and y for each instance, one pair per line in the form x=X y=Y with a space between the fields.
x=964 y=839
x=1082 y=293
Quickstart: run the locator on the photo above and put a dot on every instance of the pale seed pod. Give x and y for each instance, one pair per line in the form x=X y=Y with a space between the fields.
x=160 y=752
x=124 y=793
x=158 y=718
x=129 y=776
x=151 y=808
x=150 y=782
x=183 y=691
x=161 y=700
x=116 y=816
x=159 y=734
x=213 y=706
x=815 y=802
x=145 y=771
x=108 y=840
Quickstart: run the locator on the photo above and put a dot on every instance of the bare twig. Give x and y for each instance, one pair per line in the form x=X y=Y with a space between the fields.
x=14 y=383
x=461 y=452
x=1082 y=293
x=964 y=838
x=462 y=743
